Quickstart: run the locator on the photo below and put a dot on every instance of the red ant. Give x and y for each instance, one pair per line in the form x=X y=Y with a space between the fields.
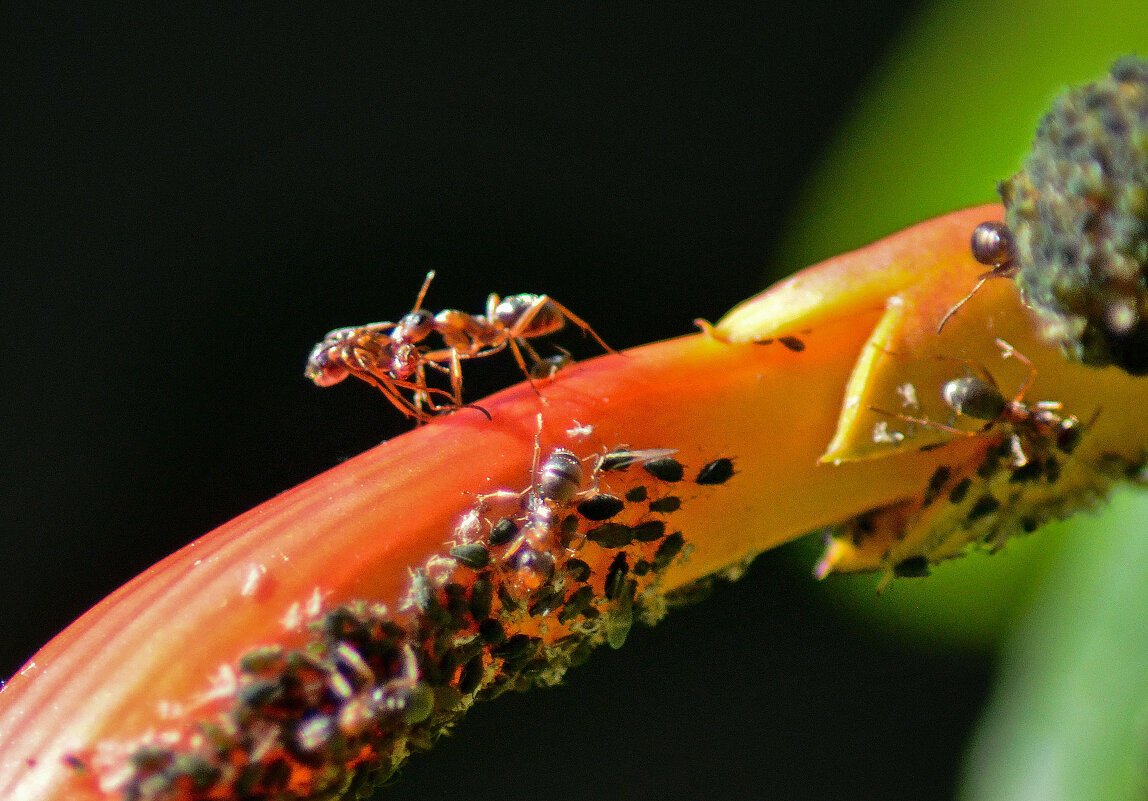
x=981 y=399
x=394 y=354
x=992 y=245
x=368 y=352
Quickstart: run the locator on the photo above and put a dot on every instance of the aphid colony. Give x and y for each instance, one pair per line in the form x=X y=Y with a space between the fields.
x=529 y=583
x=1023 y=476
x=395 y=357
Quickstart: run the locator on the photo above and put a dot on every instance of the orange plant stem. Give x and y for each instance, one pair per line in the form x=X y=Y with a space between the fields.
x=143 y=659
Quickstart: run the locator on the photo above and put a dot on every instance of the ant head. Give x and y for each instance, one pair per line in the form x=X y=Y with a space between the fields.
x=321 y=368
x=973 y=397
x=405 y=361
x=510 y=309
x=993 y=245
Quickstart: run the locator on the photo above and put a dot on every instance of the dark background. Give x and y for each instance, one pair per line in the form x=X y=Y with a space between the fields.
x=197 y=196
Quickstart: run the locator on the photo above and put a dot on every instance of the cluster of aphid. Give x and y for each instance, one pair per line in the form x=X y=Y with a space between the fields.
x=533 y=580
x=1024 y=477
x=395 y=357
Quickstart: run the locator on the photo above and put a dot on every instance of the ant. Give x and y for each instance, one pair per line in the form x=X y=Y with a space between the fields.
x=993 y=245
x=981 y=399
x=368 y=352
x=508 y=322
x=393 y=356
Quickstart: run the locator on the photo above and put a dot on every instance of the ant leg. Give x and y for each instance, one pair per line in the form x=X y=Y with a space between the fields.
x=456 y=376
x=390 y=393
x=513 y=342
x=1008 y=351
x=574 y=318
x=534 y=357
x=927 y=423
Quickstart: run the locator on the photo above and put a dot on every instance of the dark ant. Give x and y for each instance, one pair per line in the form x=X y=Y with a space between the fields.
x=981 y=399
x=992 y=245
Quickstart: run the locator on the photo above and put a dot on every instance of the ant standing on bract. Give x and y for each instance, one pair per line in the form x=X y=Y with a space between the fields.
x=395 y=356
x=980 y=398
x=992 y=245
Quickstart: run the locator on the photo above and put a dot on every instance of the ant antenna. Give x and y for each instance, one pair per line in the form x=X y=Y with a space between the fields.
x=423 y=292
x=964 y=300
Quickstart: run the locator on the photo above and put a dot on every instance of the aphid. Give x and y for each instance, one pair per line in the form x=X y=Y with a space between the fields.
x=622 y=458
x=913 y=567
x=993 y=245
x=577 y=569
x=471 y=677
x=637 y=494
x=549 y=366
x=666 y=505
x=474 y=555
x=980 y=398
x=616 y=577
x=481 y=596
x=601 y=507
x=719 y=471
x=649 y=531
x=665 y=468
x=620 y=618
x=671 y=546
x=503 y=531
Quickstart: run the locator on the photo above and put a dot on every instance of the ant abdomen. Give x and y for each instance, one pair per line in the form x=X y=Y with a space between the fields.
x=974 y=397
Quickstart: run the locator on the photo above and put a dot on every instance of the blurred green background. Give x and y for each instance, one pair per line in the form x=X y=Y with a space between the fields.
x=197 y=194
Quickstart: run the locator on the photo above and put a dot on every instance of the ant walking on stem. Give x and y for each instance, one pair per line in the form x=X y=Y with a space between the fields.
x=395 y=356
x=980 y=398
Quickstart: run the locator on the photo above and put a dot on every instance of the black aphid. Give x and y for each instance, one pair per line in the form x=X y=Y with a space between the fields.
x=649 y=531
x=481 y=596
x=472 y=554
x=665 y=469
x=503 y=531
x=671 y=546
x=611 y=535
x=577 y=569
x=601 y=507
x=616 y=577
x=718 y=471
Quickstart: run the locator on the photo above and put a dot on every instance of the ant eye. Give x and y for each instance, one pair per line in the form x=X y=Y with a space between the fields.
x=993 y=244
